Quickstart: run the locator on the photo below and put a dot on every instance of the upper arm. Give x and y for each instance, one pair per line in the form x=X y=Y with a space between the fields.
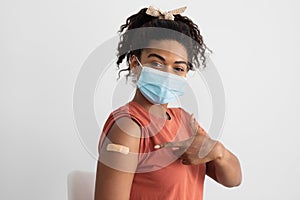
x=115 y=171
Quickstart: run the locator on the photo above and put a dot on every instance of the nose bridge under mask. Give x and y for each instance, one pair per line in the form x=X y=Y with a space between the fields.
x=158 y=86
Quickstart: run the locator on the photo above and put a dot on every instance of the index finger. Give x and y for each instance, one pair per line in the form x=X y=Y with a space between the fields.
x=180 y=144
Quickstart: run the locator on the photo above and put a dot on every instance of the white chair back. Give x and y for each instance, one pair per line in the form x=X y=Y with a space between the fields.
x=81 y=185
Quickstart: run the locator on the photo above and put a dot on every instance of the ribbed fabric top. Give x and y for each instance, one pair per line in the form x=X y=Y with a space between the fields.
x=160 y=174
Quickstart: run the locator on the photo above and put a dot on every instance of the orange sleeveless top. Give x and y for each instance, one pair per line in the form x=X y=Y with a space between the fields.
x=160 y=174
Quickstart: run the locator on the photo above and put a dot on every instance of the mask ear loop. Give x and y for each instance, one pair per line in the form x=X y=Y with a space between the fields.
x=138 y=68
x=139 y=64
x=136 y=71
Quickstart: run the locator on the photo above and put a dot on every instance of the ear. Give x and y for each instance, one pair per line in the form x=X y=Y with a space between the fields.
x=133 y=62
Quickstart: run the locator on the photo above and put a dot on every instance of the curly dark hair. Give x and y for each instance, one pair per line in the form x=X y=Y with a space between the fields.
x=181 y=24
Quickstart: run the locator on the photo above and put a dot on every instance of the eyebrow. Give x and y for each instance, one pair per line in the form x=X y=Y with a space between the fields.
x=163 y=59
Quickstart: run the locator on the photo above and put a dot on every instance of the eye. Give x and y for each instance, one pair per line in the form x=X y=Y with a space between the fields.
x=179 y=69
x=156 y=65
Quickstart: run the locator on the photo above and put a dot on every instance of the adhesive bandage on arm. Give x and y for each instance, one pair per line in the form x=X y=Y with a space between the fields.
x=117 y=148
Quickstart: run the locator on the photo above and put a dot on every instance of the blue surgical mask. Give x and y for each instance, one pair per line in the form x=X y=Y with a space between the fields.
x=160 y=87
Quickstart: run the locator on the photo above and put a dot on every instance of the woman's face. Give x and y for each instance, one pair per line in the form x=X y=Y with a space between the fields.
x=165 y=55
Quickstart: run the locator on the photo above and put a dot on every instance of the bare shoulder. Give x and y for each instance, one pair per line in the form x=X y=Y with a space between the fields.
x=125 y=131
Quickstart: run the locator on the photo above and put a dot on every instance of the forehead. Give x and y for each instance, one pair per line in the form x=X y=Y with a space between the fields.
x=169 y=48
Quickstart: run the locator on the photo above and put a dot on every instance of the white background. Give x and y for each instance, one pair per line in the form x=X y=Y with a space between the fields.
x=44 y=43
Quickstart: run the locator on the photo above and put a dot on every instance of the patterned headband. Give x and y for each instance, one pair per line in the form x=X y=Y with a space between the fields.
x=164 y=15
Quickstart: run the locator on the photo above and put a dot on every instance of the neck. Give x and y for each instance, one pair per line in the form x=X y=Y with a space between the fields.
x=139 y=98
x=155 y=109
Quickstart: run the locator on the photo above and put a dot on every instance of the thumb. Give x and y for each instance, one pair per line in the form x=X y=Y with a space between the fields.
x=169 y=145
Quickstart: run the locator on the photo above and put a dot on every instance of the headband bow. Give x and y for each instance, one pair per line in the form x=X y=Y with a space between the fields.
x=164 y=15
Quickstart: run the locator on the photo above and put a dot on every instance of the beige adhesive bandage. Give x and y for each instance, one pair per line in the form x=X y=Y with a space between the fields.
x=117 y=148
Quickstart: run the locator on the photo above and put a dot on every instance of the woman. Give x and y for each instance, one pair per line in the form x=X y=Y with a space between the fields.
x=148 y=150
